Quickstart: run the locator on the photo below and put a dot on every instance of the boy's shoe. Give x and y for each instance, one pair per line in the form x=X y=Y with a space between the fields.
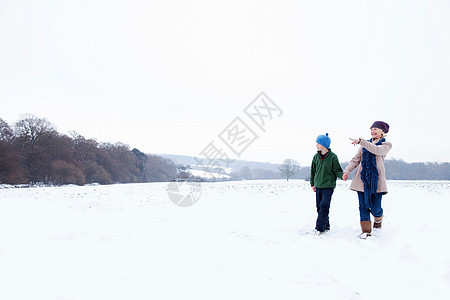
x=317 y=232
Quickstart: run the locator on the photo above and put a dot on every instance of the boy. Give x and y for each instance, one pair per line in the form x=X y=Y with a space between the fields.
x=325 y=169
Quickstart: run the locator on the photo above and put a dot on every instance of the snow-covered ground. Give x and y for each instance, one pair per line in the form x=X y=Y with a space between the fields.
x=241 y=240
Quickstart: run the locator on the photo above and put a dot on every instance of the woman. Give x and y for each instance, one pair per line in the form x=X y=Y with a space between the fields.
x=370 y=176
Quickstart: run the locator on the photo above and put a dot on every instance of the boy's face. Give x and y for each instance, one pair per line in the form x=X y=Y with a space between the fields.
x=320 y=147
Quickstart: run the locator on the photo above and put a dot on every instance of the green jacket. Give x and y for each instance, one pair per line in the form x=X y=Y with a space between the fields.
x=324 y=172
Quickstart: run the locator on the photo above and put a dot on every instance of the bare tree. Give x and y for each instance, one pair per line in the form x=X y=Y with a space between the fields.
x=289 y=168
x=10 y=170
x=246 y=173
x=6 y=133
x=33 y=138
x=141 y=160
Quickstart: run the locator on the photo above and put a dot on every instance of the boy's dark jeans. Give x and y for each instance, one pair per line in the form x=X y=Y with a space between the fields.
x=323 y=199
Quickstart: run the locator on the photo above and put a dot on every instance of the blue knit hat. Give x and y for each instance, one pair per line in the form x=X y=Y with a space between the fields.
x=324 y=140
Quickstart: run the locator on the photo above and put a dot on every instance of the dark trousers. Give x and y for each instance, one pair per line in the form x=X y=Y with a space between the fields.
x=374 y=209
x=323 y=199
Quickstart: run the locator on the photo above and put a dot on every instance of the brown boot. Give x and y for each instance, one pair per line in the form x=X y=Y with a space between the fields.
x=377 y=222
x=366 y=227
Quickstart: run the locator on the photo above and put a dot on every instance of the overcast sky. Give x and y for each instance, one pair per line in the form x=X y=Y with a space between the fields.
x=170 y=76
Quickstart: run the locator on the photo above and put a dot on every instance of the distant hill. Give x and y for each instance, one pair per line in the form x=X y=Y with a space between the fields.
x=236 y=165
x=236 y=169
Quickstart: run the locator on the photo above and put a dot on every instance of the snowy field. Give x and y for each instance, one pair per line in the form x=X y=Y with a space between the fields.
x=242 y=240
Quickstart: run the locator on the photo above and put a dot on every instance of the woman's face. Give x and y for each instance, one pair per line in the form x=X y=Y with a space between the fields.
x=377 y=133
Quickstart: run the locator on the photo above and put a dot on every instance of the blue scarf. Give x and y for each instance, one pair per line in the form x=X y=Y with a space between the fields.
x=369 y=174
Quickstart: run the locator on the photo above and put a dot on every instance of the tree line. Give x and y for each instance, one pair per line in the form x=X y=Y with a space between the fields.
x=33 y=151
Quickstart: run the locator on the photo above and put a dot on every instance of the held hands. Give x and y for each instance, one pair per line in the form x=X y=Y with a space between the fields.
x=345 y=177
x=314 y=189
